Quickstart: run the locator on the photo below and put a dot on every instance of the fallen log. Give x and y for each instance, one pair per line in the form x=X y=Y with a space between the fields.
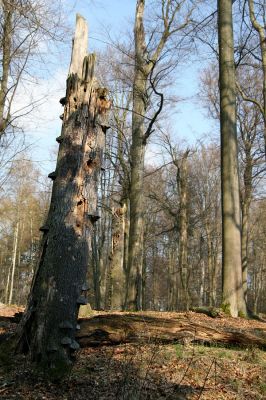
x=111 y=329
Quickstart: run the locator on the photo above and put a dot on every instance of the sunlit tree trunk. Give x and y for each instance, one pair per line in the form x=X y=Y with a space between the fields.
x=135 y=245
x=145 y=61
x=262 y=38
x=233 y=297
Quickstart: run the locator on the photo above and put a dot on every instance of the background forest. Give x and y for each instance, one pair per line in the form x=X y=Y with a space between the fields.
x=181 y=251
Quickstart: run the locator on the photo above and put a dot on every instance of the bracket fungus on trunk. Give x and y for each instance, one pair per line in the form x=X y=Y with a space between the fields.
x=59 y=283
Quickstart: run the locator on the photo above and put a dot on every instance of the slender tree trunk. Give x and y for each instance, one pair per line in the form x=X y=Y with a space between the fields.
x=202 y=274
x=115 y=276
x=59 y=286
x=144 y=285
x=14 y=260
x=233 y=297
x=6 y=56
x=126 y=235
x=145 y=62
x=258 y=287
x=171 y=287
x=183 y=228
x=31 y=245
x=246 y=201
x=8 y=283
x=214 y=277
x=209 y=263
x=96 y=271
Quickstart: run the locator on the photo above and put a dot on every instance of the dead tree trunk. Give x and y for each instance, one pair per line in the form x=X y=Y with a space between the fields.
x=116 y=328
x=59 y=286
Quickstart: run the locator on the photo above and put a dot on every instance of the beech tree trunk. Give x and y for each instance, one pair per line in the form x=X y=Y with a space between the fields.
x=48 y=327
x=182 y=174
x=145 y=61
x=261 y=30
x=135 y=245
x=115 y=274
x=233 y=297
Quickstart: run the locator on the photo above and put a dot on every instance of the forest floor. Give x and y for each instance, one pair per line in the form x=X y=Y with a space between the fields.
x=147 y=370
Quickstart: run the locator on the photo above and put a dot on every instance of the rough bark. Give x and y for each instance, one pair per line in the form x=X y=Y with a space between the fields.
x=233 y=297
x=133 y=328
x=59 y=287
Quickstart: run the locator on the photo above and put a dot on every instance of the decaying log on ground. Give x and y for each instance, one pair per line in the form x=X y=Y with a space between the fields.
x=113 y=329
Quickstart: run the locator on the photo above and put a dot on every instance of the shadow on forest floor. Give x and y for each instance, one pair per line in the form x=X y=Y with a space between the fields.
x=148 y=371
x=124 y=372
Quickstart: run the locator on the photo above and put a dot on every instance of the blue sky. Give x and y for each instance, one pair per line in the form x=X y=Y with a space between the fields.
x=113 y=17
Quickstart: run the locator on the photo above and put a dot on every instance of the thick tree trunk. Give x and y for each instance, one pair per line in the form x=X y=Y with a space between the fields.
x=135 y=246
x=59 y=286
x=233 y=297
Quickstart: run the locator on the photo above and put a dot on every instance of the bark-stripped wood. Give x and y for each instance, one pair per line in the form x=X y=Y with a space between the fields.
x=133 y=328
x=48 y=326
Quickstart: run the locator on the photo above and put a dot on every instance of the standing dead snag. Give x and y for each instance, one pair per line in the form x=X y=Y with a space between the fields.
x=48 y=327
